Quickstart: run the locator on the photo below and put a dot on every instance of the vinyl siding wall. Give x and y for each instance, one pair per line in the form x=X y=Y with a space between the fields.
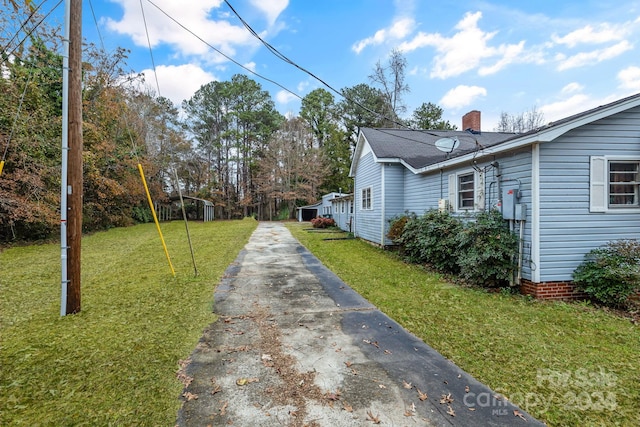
x=393 y=194
x=342 y=218
x=368 y=222
x=422 y=192
x=515 y=168
x=567 y=229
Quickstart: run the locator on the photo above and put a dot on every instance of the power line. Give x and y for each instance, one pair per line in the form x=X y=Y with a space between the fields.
x=223 y=54
x=153 y=63
x=33 y=12
x=284 y=58
x=31 y=31
x=95 y=20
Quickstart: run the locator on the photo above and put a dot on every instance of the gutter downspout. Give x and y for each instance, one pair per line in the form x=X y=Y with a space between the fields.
x=520 y=250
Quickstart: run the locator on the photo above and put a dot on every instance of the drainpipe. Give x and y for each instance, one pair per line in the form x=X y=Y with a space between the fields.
x=520 y=250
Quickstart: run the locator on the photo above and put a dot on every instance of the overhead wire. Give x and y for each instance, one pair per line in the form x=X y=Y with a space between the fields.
x=31 y=31
x=284 y=58
x=223 y=54
x=291 y=62
x=95 y=20
x=175 y=172
x=24 y=24
x=153 y=63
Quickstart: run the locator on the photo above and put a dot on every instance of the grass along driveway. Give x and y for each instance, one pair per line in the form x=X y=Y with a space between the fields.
x=566 y=364
x=114 y=363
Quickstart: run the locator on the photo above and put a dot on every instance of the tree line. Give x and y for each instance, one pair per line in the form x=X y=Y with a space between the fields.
x=229 y=145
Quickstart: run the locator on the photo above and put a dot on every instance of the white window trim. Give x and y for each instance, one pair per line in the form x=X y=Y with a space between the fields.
x=370 y=208
x=478 y=191
x=599 y=184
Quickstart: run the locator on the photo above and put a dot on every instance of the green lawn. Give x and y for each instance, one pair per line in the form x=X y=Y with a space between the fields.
x=115 y=362
x=566 y=364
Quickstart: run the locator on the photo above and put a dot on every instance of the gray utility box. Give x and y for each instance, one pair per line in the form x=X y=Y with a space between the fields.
x=510 y=198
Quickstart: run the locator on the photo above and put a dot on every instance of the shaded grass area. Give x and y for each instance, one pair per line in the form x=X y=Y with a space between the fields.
x=115 y=362
x=566 y=364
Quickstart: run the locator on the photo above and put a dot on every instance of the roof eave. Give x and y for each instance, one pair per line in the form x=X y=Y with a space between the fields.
x=544 y=135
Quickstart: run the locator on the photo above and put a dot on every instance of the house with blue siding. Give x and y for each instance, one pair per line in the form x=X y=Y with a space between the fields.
x=343 y=211
x=322 y=208
x=565 y=188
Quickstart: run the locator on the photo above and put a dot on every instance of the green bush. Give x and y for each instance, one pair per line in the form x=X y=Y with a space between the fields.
x=396 y=226
x=487 y=250
x=141 y=214
x=610 y=274
x=431 y=239
x=322 y=222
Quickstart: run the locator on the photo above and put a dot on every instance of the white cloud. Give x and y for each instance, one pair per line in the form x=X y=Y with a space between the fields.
x=271 y=8
x=302 y=86
x=604 y=33
x=587 y=58
x=284 y=97
x=572 y=88
x=193 y=14
x=466 y=49
x=461 y=96
x=630 y=78
x=397 y=31
x=567 y=107
x=510 y=54
x=178 y=82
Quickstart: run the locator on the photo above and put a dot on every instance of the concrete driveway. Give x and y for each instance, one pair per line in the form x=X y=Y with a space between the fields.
x=295 y=346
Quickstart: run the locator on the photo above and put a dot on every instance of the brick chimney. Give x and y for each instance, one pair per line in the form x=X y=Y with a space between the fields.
x=471 y=120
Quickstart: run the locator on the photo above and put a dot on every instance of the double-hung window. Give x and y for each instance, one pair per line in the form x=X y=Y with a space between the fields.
x=366 y=198
x=624 y=183
x=466 y=191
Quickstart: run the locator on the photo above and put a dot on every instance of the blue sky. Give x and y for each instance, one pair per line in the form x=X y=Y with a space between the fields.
x=560 y=57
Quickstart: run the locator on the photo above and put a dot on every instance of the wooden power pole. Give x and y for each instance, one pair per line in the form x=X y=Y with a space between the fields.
x=74 y=175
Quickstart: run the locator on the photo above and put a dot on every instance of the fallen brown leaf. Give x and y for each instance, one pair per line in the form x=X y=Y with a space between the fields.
x=388 y=352
x=451 y=412
x=382 y=386
x=348 y=364
x=216 y=389
x=347 y=407
x=519 y=414
x=466 y=389
x=374 y=419
x=446 y=398
x=190 y=396
x=223 y=410
x=422 y=396
x=406 y=385
x=332 y=396
x=411 y=411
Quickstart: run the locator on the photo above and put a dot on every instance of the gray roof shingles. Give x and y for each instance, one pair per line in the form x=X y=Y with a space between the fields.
x=418 y=148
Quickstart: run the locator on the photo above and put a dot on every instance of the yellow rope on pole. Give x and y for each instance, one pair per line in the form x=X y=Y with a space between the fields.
x=155 y=218
x=1 y=166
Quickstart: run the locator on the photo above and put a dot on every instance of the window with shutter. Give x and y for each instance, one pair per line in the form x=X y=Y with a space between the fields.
x=624 y=184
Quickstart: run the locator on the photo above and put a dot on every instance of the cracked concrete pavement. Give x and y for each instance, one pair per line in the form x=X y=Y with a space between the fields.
x=295 y=346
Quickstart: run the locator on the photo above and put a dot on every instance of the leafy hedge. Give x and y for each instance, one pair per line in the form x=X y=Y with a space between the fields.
x=610 y=274
x=480 y=249
x=322 y=222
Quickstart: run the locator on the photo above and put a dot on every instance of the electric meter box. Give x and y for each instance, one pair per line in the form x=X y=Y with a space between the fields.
x=509 y=201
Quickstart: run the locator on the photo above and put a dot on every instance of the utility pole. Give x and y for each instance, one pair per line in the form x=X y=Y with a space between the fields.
x=74 y=173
